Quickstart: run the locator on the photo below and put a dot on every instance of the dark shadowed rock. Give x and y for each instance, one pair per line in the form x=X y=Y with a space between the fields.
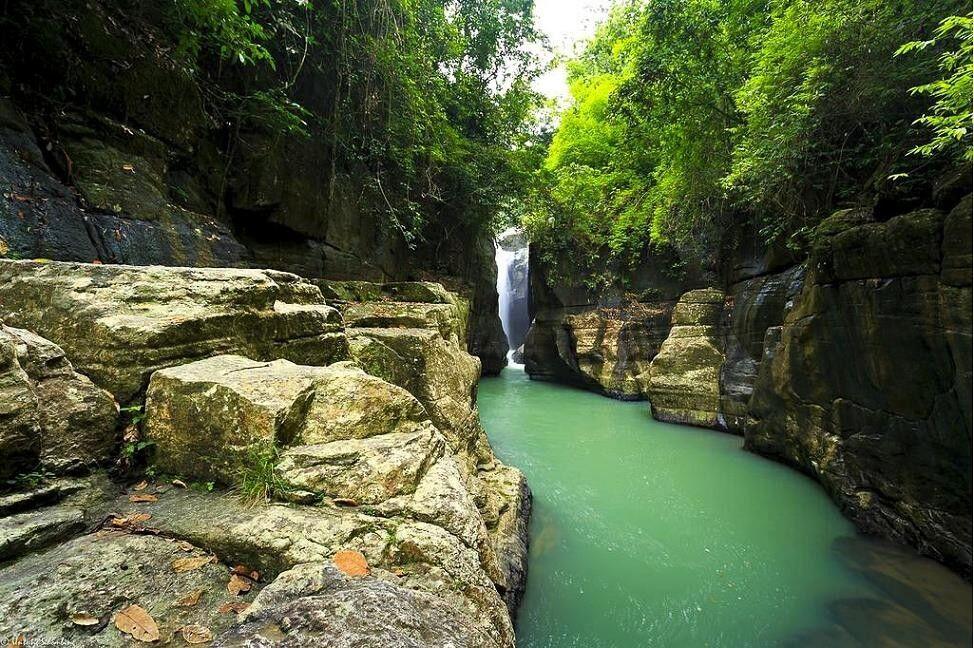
x=867 y=385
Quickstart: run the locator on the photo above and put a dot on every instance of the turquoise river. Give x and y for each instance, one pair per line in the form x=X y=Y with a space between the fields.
x=648 y=534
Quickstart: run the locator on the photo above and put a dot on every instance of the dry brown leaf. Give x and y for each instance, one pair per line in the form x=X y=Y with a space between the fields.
x=351 y=562
x=189 y=564
x=239 y=585
x=143 y=497
x=190 y=599
x=196 y=634
x=344 y=501
x=232 y=606
x=83 y=619
x=128 y=168
x=134 y=620
x=141 y=485
x=17 y=642
x=179 y=482
x=243 y=570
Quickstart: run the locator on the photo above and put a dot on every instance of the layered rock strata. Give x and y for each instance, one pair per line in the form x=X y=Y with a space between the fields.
x=684 y=377
x=118 y=324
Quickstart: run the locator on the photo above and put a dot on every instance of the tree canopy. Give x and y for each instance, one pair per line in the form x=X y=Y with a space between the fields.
x=689 y=116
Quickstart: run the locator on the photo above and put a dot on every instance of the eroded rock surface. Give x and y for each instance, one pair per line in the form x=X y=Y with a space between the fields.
x=118 y=324
x=72 y=592
x=867 y=384
x=315 y=605
x=50 y=415
x=684 y=377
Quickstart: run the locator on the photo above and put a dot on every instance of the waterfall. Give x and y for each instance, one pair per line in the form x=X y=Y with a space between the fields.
x=511 y=256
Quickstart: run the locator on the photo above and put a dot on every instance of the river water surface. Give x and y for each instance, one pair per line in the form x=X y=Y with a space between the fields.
x=650 y=534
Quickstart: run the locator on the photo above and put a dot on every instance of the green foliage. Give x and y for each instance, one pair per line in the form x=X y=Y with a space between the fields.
x=688 y=117
x=26 y=481
x=227 y=26
x=259 y=481
x=421 y=101
x=950 y=119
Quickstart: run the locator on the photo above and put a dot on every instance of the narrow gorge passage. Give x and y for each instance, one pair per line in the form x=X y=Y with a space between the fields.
x=646 y=533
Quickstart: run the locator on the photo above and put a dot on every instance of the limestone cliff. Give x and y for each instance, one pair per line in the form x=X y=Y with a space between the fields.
x=867 y=384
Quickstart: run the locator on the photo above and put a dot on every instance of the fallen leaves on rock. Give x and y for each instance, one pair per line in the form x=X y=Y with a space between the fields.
x=232 y=606
x=179 y=482
x=344 y=501
x=242 y=579
x=196 y=634
x=190 y=599
x=17 y=642
x=351 y=563
x=135 y=621
x=143 y=497
x=239 y=584
x=190 y=563
x=84 y=619
x=141 y=485
x=132 y=520
x=243 y=570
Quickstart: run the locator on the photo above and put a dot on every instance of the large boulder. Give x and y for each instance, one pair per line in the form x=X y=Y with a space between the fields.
x=867 y=384
x=436 y=371
x=404 y=304
x=380 y=476
x=684 y=377
x=346 y=433
x=323 y=608
x=118 y=324
x=273 y=538
x=50 y=415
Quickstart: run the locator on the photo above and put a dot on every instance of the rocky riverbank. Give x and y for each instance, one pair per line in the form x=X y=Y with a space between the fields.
x=853 y=366
x=248 y=456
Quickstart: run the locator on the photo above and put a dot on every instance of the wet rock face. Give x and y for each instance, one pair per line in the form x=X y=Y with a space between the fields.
x=607 y=349
x=50 y=415
x=752 y=307
x=604 y=340
x=867 y=384
x=684 y=377
x=120 y=323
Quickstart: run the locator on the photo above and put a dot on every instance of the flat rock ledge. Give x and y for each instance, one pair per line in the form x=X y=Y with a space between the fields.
x=118 y=324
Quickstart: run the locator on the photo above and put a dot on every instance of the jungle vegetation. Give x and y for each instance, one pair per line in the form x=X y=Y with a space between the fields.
x=691 y=117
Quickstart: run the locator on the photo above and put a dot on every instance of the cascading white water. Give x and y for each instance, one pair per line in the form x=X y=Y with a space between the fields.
x=511 y=256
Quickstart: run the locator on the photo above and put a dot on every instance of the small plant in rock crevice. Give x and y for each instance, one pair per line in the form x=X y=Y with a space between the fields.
x=259 y=481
